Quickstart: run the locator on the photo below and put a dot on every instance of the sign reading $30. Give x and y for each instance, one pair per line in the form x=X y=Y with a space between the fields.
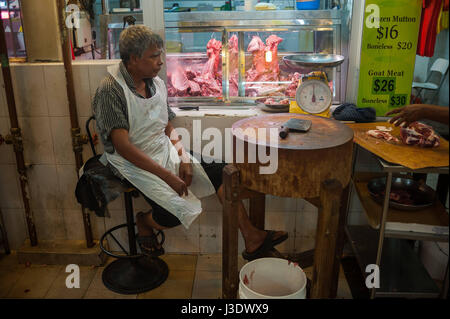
x=388 y=52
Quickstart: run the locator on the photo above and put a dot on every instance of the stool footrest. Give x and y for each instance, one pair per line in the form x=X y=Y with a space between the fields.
x=133 y=276
x=102 y=247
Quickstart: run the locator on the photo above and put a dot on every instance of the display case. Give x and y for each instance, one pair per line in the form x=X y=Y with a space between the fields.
x=238 y=56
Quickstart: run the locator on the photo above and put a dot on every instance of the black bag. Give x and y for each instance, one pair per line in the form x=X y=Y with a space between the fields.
x=98 y=186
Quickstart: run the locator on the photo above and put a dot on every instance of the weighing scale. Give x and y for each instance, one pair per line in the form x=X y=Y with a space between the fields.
x=313 y=95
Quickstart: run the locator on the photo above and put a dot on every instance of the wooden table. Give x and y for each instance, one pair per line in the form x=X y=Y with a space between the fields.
x=315 y=166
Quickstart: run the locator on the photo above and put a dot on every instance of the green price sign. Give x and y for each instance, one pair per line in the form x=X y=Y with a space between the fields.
x=388 y=52
x=383 y=85
x=397 y=100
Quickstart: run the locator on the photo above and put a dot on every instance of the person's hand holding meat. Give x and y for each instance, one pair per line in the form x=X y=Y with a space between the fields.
x=414 y=112
x=407 y=115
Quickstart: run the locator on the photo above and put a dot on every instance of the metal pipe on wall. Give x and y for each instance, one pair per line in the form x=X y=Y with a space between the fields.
x=16 y=137
x=77 y=139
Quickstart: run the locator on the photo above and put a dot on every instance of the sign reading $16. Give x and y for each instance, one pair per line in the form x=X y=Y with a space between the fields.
x=388 y=53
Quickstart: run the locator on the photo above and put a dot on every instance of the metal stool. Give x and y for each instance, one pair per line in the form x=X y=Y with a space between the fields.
x=131 y=273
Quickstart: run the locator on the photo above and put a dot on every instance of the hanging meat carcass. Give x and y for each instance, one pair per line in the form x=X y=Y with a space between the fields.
x=193 y=80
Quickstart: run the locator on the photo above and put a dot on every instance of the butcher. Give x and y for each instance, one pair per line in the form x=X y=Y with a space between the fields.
x=141 y=146
x=406 y=115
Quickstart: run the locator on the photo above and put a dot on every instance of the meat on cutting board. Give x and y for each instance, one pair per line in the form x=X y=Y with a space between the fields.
x=383 y=135
x=419 y=134
x=415 y=134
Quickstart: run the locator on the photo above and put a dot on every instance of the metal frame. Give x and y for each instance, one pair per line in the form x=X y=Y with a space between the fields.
x=390 y=169
x=240 y=21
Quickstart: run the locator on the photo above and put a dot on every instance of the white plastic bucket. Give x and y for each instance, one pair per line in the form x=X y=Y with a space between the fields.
x=272 y=278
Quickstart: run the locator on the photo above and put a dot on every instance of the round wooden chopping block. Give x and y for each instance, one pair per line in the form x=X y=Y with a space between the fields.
x=304 y=160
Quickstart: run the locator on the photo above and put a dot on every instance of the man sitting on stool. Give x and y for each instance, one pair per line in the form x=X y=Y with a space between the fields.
x=133 y=121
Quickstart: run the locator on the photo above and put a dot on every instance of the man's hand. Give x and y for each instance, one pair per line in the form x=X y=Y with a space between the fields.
x=185 y=172
x=177 y=184
x=407 y=114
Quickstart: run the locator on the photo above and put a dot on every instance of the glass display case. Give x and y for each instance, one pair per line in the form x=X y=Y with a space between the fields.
x=238 y=56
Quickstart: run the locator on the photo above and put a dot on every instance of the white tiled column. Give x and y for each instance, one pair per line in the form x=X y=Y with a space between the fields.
x=153 y=12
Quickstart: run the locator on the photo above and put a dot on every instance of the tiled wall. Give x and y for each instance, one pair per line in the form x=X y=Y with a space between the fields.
x=42 y=108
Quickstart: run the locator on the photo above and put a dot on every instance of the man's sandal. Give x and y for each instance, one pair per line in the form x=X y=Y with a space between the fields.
x=149 y=244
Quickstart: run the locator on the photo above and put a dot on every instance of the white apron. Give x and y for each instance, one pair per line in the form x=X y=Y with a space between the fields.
x=148 y=119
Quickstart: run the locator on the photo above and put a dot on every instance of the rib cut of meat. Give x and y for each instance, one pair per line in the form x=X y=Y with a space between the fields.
x=383 y=135
x=419 y=134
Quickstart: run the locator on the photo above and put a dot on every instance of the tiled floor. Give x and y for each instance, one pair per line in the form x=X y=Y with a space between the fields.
x=190 y=276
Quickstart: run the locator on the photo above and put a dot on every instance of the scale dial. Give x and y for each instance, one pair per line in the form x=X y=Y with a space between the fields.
x=313 y=96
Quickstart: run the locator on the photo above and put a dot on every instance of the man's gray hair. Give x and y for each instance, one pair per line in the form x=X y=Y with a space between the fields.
x=135 y=39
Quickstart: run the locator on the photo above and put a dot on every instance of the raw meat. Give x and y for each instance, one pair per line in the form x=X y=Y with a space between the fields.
x=262 y=70
x=400 y=196
x=204 y=80
x=383 y=135
x=384 y=128
x=272 y=101
x=292 y=88
x=179 y=81
x=419 y=134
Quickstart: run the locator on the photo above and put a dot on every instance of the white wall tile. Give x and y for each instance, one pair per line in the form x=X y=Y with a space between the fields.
x=96 y=75
x=181 y=244
x=29 y=90
x=10 y=193
x=37 y=140
x=15 y=226
x=98 y=225
x=211 y=204
x=304 y=243
x=73 y=224
x=280 y=204
x=49 y=224
x=56 y=90
x=73 y=221
x=82 y=89
x=62 y=140
x=357 y=217
x=44 y=188
x=7 y=155
x=67 y=182
x=210 y=232
x=355 y=203
x=306 y=222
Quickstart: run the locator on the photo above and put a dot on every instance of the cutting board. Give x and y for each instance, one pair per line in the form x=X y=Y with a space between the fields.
x=410 y=156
